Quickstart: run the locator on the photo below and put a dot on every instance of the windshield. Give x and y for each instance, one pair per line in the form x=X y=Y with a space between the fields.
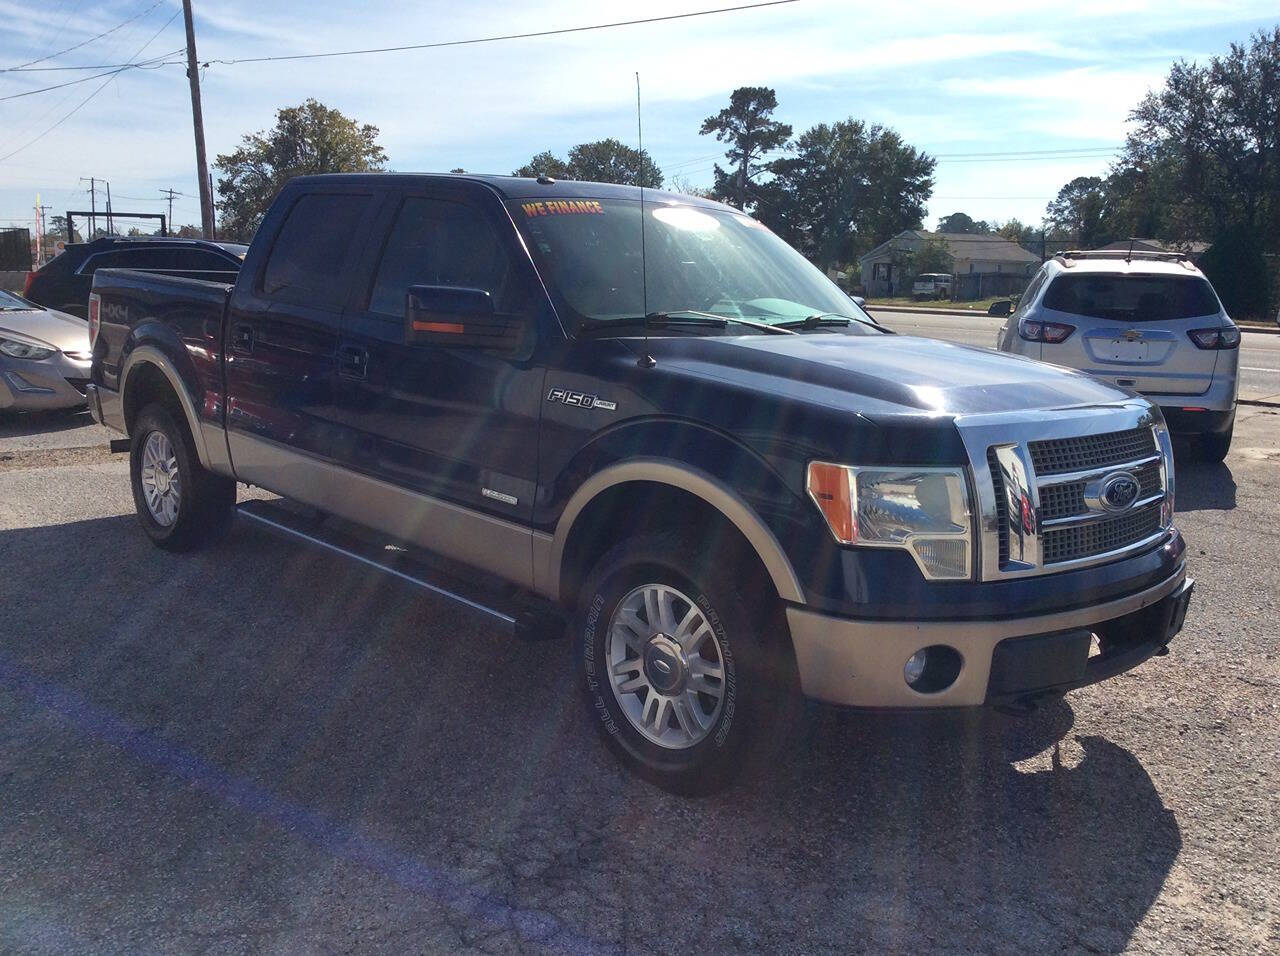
x=1132 y=298
x=10 y=302
x=698 y=259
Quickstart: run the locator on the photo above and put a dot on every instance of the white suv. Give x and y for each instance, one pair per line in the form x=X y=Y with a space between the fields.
x=1146 y=321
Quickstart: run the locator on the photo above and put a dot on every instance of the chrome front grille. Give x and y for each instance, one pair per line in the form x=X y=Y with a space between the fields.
x=1067 y=500
x=1061 y=455
x=1063 y=501
x=1100 y=537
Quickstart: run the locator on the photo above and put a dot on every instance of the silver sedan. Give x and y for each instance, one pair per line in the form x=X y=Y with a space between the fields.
x=44 y=357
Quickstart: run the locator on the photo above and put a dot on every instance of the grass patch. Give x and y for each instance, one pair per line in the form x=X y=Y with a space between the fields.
x=980 y=305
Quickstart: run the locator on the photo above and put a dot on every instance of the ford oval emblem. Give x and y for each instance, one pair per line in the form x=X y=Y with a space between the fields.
x=1119 y=492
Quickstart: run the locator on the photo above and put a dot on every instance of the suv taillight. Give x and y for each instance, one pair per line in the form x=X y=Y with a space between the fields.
x=95 y=306
x=1051 y=332
x=26 y=285
x=1227 y=337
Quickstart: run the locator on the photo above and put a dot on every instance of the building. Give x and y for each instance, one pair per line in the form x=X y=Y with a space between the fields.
x=982 y=264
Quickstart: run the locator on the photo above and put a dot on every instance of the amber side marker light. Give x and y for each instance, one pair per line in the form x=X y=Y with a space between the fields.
x=829 y=488
x=451 y=328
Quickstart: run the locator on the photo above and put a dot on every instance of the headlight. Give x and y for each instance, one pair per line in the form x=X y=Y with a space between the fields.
x=922 y=510
x=24 y=351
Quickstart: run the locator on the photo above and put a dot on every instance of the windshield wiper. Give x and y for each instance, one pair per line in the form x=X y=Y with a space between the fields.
x=690 y=318
x=826 y=320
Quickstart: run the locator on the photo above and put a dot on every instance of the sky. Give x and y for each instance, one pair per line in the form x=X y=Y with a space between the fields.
x=955 y=80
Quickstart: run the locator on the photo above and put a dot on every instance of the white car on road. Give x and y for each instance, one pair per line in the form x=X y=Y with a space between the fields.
x=1146 y=321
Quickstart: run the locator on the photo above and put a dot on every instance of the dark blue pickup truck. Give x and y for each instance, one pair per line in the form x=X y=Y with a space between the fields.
x=647 y=409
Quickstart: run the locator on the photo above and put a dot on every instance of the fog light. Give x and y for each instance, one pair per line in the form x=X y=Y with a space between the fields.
x=915 y=666
x=932 y=669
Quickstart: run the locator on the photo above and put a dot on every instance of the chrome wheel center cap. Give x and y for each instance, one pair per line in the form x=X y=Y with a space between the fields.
x=664 y=664
x=162 y=481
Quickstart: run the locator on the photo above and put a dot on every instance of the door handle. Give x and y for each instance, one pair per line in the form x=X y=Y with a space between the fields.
x=353 y=361
x=242 y=338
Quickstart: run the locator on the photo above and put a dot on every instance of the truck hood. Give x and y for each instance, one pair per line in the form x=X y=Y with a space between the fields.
x=891 y=370
x=47 y=327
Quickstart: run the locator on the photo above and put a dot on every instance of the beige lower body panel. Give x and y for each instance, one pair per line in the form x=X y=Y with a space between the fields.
x=859 y=663
x=499 y=547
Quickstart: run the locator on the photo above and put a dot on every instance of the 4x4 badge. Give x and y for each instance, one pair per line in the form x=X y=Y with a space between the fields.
x=579 y=399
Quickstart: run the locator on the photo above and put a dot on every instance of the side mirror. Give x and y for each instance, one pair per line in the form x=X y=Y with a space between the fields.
x=458 y=317
x=859 y=301
x=1001 y=308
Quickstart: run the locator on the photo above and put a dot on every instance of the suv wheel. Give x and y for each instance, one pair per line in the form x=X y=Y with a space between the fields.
x=681 y=669
x=179 y=503
x=1214 y=448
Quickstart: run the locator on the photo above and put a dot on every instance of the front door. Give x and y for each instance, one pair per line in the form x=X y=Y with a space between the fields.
x=455 y=426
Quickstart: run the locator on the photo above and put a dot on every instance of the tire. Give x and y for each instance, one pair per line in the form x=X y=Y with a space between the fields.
x=180 y=505
x=723 y=626
x=1214 y=448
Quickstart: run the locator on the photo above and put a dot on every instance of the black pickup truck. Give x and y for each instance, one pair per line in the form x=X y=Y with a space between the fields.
x=648 y=410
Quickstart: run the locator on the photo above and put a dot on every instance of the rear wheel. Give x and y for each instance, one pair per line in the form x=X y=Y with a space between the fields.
x=687 y=670
x=1214 y=448
x=179 y=503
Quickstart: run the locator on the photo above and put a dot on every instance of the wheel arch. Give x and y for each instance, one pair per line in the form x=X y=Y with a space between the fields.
x=563 y=558
x=150 y=375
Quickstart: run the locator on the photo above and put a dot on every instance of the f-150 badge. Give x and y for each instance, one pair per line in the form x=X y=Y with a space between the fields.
x=579 y=399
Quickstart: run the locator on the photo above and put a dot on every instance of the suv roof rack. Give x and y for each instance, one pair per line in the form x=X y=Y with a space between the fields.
x=1070 y=256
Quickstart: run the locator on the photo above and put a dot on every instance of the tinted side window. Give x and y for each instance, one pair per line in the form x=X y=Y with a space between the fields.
x=1029 y=294
x=1132 y=298
x=308 y=264
x=434 y=242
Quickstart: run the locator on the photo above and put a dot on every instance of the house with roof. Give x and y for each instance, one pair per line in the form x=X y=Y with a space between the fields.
x=981 y=264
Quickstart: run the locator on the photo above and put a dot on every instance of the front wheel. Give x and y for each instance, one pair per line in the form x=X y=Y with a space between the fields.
x=179 y=503
x=686 y=673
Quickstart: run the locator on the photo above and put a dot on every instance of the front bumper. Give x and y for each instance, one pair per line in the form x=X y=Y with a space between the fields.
x=860 y=663
x=48 y=384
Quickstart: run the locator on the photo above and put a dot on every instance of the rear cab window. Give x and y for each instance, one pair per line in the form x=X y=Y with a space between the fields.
x=1132 y=297
x=310 y=259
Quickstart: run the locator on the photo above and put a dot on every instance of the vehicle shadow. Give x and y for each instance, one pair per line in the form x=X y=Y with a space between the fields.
x=1202 y=486
x=23 y=424
x=261 y=739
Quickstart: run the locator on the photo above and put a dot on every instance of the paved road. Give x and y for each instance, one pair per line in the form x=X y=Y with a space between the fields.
x=256 y=748
x=1259 y=352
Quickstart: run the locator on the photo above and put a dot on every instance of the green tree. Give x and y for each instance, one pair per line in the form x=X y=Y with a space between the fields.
x=189 y=232
x=746 y=124
x=602 y=161
x=545 y=163
x=959 y=222
x=1213 y=132
x=58 y=230
x=1081 y=209
x=931 y=256
x=845 y=187
x=306 y=139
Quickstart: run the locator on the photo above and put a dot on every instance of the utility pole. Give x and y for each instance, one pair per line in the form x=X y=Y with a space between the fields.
x=170 y=193
x=93 y=206
x=197 y=120
x=110 y=228
x=41 y=232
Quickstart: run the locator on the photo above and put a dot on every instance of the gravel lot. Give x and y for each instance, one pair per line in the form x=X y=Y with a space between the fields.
x=259 y=748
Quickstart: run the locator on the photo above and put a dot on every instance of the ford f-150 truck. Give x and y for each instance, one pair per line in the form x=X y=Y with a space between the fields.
x=650 y=411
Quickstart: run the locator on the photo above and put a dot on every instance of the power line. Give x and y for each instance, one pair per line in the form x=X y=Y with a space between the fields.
x=151 y=64
x=508 y=36
x=1028 y=152
x=96 y=91
x=69 y=49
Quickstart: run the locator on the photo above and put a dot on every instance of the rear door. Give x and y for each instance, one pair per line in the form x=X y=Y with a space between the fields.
x=459 y=424
x=282 y=332
x=1132 y=329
